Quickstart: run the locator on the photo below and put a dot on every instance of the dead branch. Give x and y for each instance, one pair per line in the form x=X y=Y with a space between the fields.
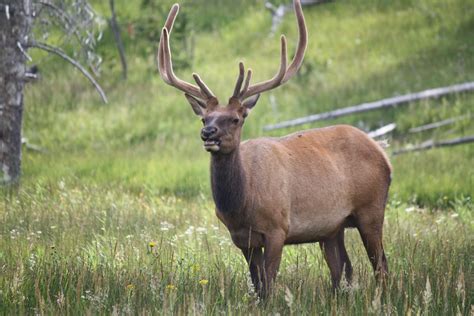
x=32 y=74
x=433 y=144
x=32 y=147
x=30 y=77
x=60 y=13
x=62 y=54
x=76 y=19
x=383 y=130
x=118 y=39
x=434 y=125
x=63 y=16
x=279 y=12
x=370 y=106
x=7 y=9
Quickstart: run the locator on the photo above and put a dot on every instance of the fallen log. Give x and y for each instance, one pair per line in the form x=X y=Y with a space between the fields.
x=434 y=125
x=385 y=103
x=433 y=144
x=383 y=130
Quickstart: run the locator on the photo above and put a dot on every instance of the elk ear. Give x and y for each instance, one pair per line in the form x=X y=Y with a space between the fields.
x=199 y=107
x=250 y=103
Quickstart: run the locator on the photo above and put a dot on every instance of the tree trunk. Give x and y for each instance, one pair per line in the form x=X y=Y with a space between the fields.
x=118 y=38
x=15 y=24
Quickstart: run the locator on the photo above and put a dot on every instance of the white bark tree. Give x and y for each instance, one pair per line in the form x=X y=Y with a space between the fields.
x=17 y=25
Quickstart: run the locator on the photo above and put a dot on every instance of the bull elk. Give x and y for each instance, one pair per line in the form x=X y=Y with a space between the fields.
x=304 y=187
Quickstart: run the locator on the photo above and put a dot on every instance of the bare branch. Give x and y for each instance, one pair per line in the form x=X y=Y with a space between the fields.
x=62 y=15
x=32 y=147
x=20 y=47
x=77 y=21
x=29 y=77
x=433 y=144
x=63 y=55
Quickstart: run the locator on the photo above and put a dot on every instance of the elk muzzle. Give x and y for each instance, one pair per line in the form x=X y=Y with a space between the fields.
x=211 y=143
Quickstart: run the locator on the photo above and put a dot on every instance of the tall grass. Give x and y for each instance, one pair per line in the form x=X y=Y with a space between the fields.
x=86 y=249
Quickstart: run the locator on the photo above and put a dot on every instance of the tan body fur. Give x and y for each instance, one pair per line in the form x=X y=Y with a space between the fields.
x=308 y=184
x=306 y=187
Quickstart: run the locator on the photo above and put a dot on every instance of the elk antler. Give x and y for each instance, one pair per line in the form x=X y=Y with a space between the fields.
x=284 y=74
x=165 y=65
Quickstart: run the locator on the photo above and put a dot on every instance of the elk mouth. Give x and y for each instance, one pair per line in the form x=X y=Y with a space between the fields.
x=212 y=145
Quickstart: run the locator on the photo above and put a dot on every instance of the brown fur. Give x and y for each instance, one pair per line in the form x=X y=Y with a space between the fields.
x=305 y=187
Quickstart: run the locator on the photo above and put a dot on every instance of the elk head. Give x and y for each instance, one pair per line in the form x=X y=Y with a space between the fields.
x=223 y=122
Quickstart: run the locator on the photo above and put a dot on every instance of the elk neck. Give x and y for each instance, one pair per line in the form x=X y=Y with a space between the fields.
x=228 y=182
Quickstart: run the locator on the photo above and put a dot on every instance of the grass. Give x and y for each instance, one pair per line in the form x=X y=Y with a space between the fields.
x=90 y=250
x=117 y=179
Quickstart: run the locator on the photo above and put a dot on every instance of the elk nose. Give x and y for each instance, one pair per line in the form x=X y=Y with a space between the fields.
x=207 y=132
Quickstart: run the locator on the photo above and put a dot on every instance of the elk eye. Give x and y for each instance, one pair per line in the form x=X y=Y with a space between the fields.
x=235 y=121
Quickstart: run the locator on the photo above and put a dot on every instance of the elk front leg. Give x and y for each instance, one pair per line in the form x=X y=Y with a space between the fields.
x=254 y=257
x=272 y=257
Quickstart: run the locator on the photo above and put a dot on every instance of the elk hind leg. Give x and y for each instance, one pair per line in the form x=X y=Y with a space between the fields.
x=333 y=256
x=347 y=266
x=370 y=229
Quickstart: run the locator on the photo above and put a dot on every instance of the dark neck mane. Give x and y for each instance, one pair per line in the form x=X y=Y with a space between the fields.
x=227 y=181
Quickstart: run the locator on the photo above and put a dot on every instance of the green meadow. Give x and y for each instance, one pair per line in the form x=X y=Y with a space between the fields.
x=115 y=214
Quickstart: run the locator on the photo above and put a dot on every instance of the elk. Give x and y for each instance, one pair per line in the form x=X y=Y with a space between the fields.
x=304 y=187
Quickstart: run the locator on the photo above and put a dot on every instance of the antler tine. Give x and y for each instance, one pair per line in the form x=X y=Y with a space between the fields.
x=275 y=81
x=169 y=26
x=240 y=79
x=171 y=17
x=173 y=80
x=284 y=74
x=165 y=64
x=204 y=88
x=302 y=43
x=246 y=84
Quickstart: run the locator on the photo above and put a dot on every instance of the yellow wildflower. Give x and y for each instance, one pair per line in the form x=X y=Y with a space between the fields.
x=170 y=287
x=130 y=286
x=203 y=282
x=152 y=244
